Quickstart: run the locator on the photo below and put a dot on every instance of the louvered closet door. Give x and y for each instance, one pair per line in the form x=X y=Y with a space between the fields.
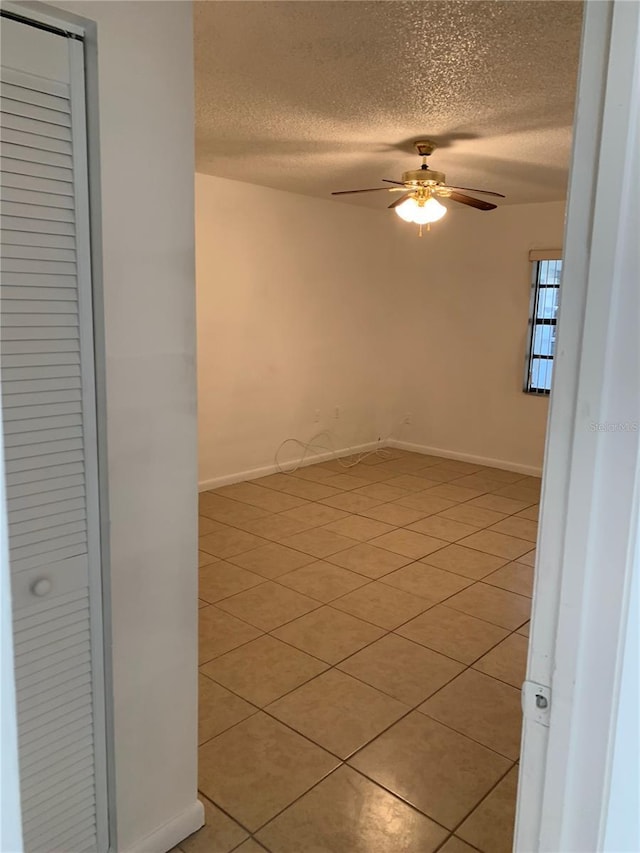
x=48 y=410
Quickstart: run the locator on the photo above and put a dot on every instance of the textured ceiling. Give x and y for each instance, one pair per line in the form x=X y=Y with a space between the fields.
x=311 y=96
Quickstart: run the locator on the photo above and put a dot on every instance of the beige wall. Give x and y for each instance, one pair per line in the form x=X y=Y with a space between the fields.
x=291 y=321
x=460 y=332
x=305 y=304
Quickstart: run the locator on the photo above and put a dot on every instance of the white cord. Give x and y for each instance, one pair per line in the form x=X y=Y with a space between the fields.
x=311 y=445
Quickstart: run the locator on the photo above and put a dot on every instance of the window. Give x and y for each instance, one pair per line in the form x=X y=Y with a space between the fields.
x=542 y=324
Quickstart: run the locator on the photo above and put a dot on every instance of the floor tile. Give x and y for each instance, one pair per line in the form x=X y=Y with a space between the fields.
x=315 y=515
x=521 y=528
x=497 y=544
x=531 y=512
x=474 y=516
x=329 y=634
x=350 y=502
x=274 y=527
x=218 y=709
x=276 y=481
x=220 y=632
x=347 y=813
x=491 y=825
x=382 y=491
x=268 y=606
x=442 y=528
x=440 y=474
x=202 y=603
x=368 y=560
x=461 y=467
x=258 y=767
x=346 y=482
x=259 y=496
x=426 y=503
x=374 y=473
x=229 y=542
x=426 y=581
x=454 y=634
x=410 y=483
x=205 y=559
x=323 y=581
x=213 y=505
x=407 y=671
x=316 y=473
x=207 y=525
x=360 y=528
x=524 y=630
x=465 y=561
x=480 y=482
x=526 y=494
x=516 y=577
x=222 y=579
x=308 y=489
x=394 y=514
x=456 y=845
x=250 y=846
x=382 y=605
x=454 y=492
x=337 y=712
x=493 y=605
x=528 y=559
x=263 y=670
x=440 y=772
x=482 y=708
x=319 y=542
x=507 y=661
x=408 y=543
x=499 y=504
x=220 y=834
x=272 y=560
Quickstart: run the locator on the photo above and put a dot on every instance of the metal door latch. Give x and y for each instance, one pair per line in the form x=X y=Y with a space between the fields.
x=536 y=702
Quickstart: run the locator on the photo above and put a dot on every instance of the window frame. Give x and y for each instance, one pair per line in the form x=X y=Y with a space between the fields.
x=534 y=321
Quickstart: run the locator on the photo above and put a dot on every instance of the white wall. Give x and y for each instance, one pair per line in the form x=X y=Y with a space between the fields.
x=460 y=332
x=307 y=304
x=291 y=319
x=145 y=75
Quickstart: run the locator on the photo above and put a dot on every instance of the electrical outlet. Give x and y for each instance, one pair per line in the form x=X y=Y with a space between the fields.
x=407 y=418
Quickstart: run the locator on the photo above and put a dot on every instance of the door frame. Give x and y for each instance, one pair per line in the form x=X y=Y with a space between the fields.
x=591 y=484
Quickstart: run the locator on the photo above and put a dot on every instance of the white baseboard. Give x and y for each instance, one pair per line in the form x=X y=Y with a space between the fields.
x=255 y=473
x=167 y=836
x=506 y=465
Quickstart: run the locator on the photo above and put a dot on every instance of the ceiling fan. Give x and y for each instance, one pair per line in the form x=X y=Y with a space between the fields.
x=420 y=189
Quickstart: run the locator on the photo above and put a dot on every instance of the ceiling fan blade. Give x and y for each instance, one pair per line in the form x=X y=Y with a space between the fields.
x=472 y=202
x=400 y=200
x=372 y=190
x=387 y=181
x=471 y=190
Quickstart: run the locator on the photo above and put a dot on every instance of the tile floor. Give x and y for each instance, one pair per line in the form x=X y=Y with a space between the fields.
x=363 y=640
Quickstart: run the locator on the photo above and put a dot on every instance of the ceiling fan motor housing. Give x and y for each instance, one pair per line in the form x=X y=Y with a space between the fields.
x=421 y=177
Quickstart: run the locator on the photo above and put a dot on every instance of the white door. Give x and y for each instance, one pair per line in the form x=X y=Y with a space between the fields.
x=50 y=444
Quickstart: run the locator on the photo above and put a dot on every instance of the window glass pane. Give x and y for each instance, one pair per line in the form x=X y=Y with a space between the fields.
x=544 y=340
x=549 y=272
x=541 y=369
x=547 y=303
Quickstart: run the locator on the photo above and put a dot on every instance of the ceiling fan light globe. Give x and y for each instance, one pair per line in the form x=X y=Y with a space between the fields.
x=407 y=209
x=430 y=211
